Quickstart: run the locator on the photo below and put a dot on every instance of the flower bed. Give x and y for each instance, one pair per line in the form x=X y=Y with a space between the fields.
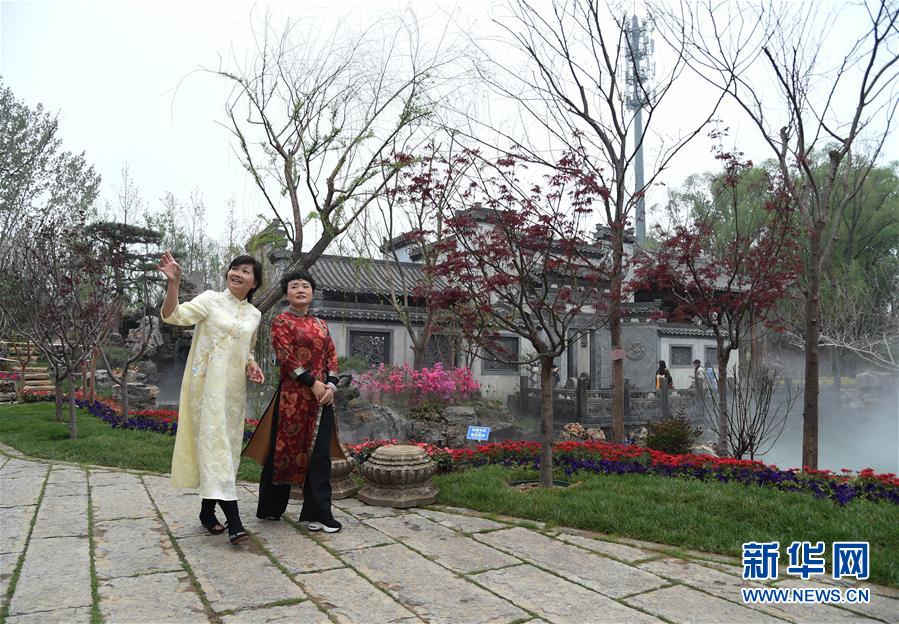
x=607 y=458
x=107 y=410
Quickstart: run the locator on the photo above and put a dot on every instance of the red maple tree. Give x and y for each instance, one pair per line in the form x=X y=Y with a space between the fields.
x=729 y=283
x=513 y=260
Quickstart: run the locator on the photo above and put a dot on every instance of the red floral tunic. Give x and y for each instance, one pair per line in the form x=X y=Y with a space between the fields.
x=299 y=341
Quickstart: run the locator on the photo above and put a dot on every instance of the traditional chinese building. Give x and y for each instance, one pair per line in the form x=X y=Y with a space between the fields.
x=354 y=295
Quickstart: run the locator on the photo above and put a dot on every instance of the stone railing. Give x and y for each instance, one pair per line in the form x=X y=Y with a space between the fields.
x=594 y=407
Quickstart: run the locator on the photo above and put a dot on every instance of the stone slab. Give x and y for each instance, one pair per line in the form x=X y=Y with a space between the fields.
x=880 y=607
x=622 y=552
x=362 y=510
x=15 y=522
x=355 y=535
x=435 y=594
x=442 y=545
x=76 y=615
x=18 y=467
x=67 y=474
x=180 y=510
x=687 y=606
x=8 y=563
x=461 y=522
x=63 y=490
x=236 y=577
x=555 y=599
x=133 y=546
x=21 y=489
x=102 y=478
x=349 y=598
x=62 y=517
x=726 y=581
x=114 y=501
x=304 y=612
x=56 y=575
x=293 y=548
x=597 y=572
x=151 y=599
x=709 y=580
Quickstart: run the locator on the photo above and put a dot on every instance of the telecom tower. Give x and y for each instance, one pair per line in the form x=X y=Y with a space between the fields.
x=639 y=73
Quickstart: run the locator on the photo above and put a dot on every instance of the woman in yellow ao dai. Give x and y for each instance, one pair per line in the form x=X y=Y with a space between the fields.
x=212 y=403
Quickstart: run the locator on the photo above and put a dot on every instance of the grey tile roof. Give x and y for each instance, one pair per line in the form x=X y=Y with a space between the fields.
x=667 y=329
x=365 y=276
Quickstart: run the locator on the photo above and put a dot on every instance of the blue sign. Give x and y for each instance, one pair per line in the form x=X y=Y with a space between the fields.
x=478 y=433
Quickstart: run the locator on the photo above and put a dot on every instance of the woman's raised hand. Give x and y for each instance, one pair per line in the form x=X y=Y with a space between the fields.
x=170 y=268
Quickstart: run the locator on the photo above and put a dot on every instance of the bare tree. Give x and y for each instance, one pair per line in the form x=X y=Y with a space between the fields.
x=417 y=200
x=579 y=58
x=62 y=297
x=314 y=116
x=777 y=63
x=757 y=414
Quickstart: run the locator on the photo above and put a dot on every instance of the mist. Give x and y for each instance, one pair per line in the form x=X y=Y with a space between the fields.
x=859 y=431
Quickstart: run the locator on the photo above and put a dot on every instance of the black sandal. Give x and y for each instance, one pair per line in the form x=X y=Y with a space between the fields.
x=212 y=525
x=208 y=519
x=236 y=533
x=239 y=537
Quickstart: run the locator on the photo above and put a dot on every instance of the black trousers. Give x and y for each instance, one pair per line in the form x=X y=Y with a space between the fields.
x=273 y=498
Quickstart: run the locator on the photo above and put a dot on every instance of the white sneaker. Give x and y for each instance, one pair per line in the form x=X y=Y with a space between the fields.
x=330 y=526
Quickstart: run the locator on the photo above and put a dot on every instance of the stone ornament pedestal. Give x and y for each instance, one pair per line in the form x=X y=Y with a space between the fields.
x=398 y=475
x=342 y=483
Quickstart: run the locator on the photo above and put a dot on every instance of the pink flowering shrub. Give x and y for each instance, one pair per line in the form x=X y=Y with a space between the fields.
x=429 y=386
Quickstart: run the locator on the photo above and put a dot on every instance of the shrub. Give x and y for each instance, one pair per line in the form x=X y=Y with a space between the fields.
x=673 y=435
x=353 y=363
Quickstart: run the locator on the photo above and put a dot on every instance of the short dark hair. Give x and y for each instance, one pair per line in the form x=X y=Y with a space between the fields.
x=257 y=272
x=296 y=275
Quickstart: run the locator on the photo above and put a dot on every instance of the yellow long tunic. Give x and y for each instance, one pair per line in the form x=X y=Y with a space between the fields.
x=213 y=392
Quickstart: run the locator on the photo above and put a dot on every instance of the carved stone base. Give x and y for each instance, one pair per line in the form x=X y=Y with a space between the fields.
x=398 y=475
x=342 y=483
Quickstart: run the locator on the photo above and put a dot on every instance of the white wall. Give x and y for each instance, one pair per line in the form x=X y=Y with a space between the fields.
x=683 y=375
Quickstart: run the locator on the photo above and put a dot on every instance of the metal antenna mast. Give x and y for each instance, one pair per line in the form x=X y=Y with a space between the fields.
x=640 y=71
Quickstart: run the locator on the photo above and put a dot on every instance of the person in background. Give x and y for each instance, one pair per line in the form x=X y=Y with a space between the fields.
x=711 y=377
x=663 y=375
x=697 y=374
x=211 y=410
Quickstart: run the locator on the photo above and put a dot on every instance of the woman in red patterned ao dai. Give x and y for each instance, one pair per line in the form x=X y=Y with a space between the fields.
x=302 y=435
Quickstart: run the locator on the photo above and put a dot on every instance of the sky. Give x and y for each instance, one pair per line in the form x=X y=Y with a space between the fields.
x=125 y=79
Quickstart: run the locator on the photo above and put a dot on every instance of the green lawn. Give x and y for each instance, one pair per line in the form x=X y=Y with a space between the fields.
x=708 y=516
x=30 y=429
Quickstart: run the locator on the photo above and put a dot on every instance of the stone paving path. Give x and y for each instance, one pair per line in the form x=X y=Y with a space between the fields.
x=83 y=544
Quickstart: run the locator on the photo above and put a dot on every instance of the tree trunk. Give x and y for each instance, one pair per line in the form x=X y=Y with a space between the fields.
x=723 y=449
x=615 y=333
x=812 y=314
x=73 y=420
x=546 y=422
x=124 y=389
x=836 y=367
x=58 y=385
